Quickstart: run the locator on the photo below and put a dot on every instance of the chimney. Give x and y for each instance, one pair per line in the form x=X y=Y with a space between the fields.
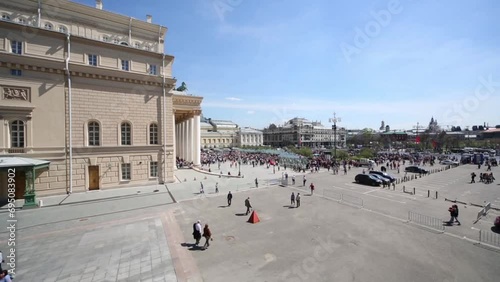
x=149 y=18
x=98 y=4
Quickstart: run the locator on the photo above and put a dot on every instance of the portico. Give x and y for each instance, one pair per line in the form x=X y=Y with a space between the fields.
x=186 y=122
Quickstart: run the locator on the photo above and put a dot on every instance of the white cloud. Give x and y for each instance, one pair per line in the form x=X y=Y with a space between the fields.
x=250 y=112
x=233 y=99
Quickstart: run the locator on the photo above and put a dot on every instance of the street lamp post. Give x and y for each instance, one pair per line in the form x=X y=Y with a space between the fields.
x=335 y=119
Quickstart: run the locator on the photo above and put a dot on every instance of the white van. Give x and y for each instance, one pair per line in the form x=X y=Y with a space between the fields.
x=366 y=162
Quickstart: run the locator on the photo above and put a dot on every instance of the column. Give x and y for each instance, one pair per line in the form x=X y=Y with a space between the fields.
x=197 y=141
x=184 y=132
x=181 y=151
x=174 y=138
x=190 y=140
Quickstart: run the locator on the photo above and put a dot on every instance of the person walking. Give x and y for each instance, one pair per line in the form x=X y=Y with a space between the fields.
x=217 y=187
x=304 y=181
x=292 y=200
x=256 y=183
x=312 y=188
x=208 y=236
x=248 y=205
x=297 y=199
x=197 y=232
x=202 y=191
x=473 y=177
x=293 y=179
x=229 y=198
x=453 y=215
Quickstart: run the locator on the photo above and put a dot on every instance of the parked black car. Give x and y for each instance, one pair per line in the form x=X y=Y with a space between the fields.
x=416 y=169
x=383 y=174
x=367 y=179
x=385 y=181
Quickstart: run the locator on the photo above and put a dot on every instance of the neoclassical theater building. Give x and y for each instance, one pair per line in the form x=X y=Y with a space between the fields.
x=87 y=100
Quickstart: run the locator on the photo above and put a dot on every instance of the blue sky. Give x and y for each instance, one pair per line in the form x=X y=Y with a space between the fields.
x=258 y=62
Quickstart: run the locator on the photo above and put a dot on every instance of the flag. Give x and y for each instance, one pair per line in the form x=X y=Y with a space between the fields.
x=417 y=140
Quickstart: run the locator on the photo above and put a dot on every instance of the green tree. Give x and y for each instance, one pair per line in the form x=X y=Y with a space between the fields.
x=305 y=151
x=366 y=153
x=341 y=154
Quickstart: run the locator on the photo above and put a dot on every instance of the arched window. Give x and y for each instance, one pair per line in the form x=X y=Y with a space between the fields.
x=126 y=133
x=21 y=20
x=94 y=134
x=17 y=134
x=153 y=134
x=48 y=26
x=5 y=17
x=63 y=29
x=124 y=43
x=137 y=45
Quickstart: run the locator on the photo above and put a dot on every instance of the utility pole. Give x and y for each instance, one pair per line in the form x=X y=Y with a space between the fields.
x=417 y=127
x=335 y=119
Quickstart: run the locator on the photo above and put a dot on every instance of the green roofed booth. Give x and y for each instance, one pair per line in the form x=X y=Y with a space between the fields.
x=23 y=171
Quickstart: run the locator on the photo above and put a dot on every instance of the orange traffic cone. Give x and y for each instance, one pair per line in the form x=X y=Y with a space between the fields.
x=254 y=218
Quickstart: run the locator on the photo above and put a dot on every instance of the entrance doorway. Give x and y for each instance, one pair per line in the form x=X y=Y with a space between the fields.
x=20 y=180
x=93 y=177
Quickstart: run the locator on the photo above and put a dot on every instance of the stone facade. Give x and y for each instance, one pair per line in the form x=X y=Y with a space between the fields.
x=218 y=133
x=301 y=132
x=250 y=137
x=60 y=73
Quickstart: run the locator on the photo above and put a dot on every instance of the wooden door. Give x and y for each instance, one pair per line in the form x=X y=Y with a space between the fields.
x=20 y=179
x=93 y=177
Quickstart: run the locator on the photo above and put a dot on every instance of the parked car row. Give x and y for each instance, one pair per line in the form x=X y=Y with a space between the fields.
x=449 y=162
x=416 y=169
x=374 y=178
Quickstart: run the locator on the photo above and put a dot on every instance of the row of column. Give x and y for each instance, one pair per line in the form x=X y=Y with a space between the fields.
x=187 y=142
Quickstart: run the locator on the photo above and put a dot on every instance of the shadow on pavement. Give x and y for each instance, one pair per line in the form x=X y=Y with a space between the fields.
x=240 y=214
x=192 y=247
x=223 y=207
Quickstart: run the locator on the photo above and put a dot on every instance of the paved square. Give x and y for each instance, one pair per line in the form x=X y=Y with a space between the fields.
x=325 y=241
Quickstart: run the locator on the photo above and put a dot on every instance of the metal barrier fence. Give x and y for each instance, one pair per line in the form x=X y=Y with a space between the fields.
x=428 y=221
x=489 y=238
x=351 y=200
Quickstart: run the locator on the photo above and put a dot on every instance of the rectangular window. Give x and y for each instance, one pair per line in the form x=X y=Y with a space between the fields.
x=15 y=72
x=92 y=60
x=153 y=70
x=126 y=172
x=16 y=47
x=153 y=169
x=125 y=65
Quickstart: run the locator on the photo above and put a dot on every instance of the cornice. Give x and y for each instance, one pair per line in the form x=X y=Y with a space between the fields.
x=179 y=100
x=90 y=72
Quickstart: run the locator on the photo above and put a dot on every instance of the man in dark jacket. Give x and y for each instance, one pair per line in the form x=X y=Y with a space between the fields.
x=229 y=198
x=248 y=205
x=454 y=214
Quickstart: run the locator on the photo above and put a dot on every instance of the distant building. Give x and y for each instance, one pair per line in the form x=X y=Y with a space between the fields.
x=218 y=133
x=492 y=133
x=250 y=137
x=396 y=135
x=301 y=132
